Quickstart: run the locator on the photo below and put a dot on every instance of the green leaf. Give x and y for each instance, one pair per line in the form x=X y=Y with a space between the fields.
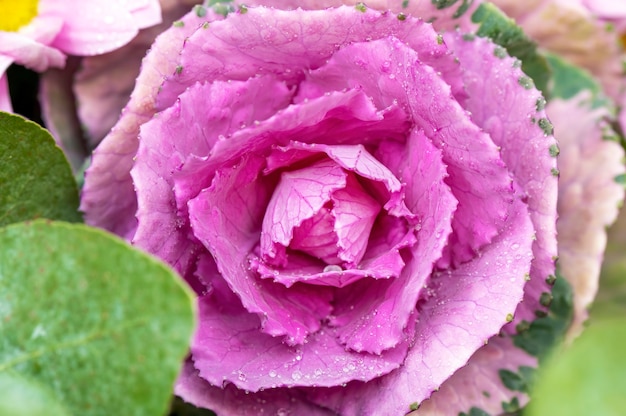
x=103 y=325
x=586 y=378
x=503 y=31
x=512 y=406
x=443 y=4
x=475 y=411
x=35 y=180
x=546 y=332
x=20 y=396
x=512 y=381
x=568 y=80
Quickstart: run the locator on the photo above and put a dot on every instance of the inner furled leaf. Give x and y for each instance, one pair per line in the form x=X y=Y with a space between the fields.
x=372 y=314
x=328 y=208
x=164 y=177
x=339 y=233
x=301 y=195
x=316 y=236
x=355 y=212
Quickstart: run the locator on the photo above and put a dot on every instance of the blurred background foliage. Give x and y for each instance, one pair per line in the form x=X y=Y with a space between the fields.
x=611 y=299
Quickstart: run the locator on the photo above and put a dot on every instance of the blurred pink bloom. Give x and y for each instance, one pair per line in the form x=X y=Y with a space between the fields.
x=589 y=196
x=82 y=102
x=584 y=32
x=103 y=83
x=39 y=34
x=588 y=33
x=610 y=10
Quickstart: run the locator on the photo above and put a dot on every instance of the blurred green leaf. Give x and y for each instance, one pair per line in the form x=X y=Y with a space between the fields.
x=587 y=378
x=20 y=396
x=103 y=325
x=502 y=30
x=568 y=80
x=540 y=336
x=611 y=298
x=35 y=180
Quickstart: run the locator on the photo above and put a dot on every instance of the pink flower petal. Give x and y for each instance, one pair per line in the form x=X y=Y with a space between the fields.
x=5 y=98
x=42 y=29
x=97 y=26
x=589 y=196
x=609 y=9
x=29 y=53
x=103 y=84
x=108 y=197
x=145 y=13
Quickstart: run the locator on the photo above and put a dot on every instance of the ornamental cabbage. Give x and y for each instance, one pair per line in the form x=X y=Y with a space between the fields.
x=359 y=201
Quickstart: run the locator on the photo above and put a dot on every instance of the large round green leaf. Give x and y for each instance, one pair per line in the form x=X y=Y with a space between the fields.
x=35 y=179
x=20 y=396
x=103 y=325
x=587 y=378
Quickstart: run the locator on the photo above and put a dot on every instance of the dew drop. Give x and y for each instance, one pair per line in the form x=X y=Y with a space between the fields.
x=296 y=375
x=272 y=373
